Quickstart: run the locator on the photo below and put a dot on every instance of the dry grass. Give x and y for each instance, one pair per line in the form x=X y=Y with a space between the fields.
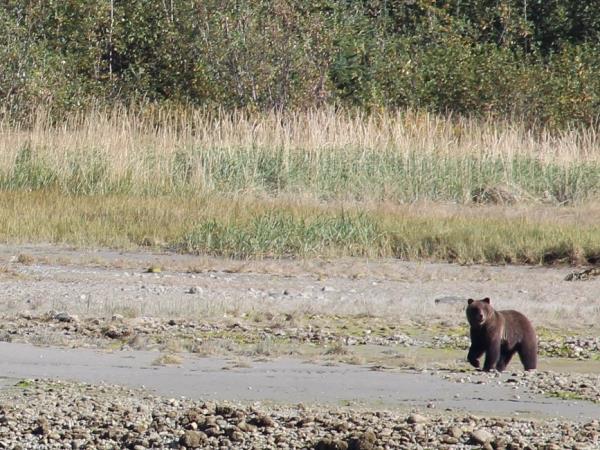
x=337 y=348
x=323 y=154
x=126 y=135
x=168 y=359
x=24 y=258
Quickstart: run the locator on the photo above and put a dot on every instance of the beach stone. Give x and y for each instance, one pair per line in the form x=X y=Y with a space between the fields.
x=263 y=420
x=43 y=428
x=65 y=317
x=365 y=441
x=193 y=439
x=481 y=436
x=455 y=432
x=331 y=444
x=417 y=418
x=237 y=436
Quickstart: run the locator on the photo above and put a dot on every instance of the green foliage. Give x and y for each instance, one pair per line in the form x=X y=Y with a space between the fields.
x=277 y=233
x=566 y=395
x=353 y=174
x=534 y=59
x=286 y=233
x=30 y=172
x=24 y=384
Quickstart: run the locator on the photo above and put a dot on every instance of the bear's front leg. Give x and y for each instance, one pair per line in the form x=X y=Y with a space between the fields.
x=492 y=355
x=475 y=353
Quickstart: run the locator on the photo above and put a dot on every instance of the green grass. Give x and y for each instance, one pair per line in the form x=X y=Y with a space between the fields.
x=242 y=227
x=279 y=233
x=566 y=395
x=24 y=384
x=333 y=173
x=328 y=155
x=493 y=240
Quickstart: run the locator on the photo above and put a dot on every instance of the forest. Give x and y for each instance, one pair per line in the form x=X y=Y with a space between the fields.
x=533 y=60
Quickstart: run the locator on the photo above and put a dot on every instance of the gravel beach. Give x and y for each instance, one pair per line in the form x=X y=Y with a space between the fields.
x=390 y=317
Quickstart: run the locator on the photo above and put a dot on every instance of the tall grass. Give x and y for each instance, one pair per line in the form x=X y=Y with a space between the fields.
x=313 y=183
x=402 y=156
x=247 y=227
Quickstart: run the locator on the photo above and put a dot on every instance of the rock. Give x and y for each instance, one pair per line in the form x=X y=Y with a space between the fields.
x=341 y=427
x=43 y=428
x=585 y=274
x=139 y=428
x=331 y=444
x=54 y=436
x=224 y=410
x=417 y=418
x=113 y=332
x=263 y=420
x=65 y=317
x=237 y=436
x=481 y=436
x=450 y=300
x=365 y=441
x=246 y=427
x=499 y=444
x=447 y=439
x=193 y=439
x=213 y=431
x=455 y=432
x=78 y=415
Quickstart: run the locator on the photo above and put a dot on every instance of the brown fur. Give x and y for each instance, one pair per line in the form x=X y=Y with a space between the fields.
x=500 y=334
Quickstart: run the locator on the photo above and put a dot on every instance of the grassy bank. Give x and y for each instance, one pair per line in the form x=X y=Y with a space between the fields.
x=250 y=227
x=323 y=154
x=316 y=183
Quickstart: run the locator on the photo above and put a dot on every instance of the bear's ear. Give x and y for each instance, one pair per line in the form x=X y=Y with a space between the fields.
x=486 y=300
x=470 y=301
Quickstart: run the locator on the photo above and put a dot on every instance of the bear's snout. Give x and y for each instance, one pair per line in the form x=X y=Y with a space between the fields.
x=476 y=316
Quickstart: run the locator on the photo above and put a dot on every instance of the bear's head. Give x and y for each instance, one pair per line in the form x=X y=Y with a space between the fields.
x=479 y=311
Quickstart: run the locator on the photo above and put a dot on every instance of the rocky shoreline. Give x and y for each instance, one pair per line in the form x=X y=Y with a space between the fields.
x=62 y=328
x=43 y=414
x=334 y=310
x=567 y=386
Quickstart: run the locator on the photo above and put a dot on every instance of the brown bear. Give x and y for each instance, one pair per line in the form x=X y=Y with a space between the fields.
x=499 y=334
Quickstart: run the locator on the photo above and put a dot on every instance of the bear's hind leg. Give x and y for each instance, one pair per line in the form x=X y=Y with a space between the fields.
x=528 y=355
